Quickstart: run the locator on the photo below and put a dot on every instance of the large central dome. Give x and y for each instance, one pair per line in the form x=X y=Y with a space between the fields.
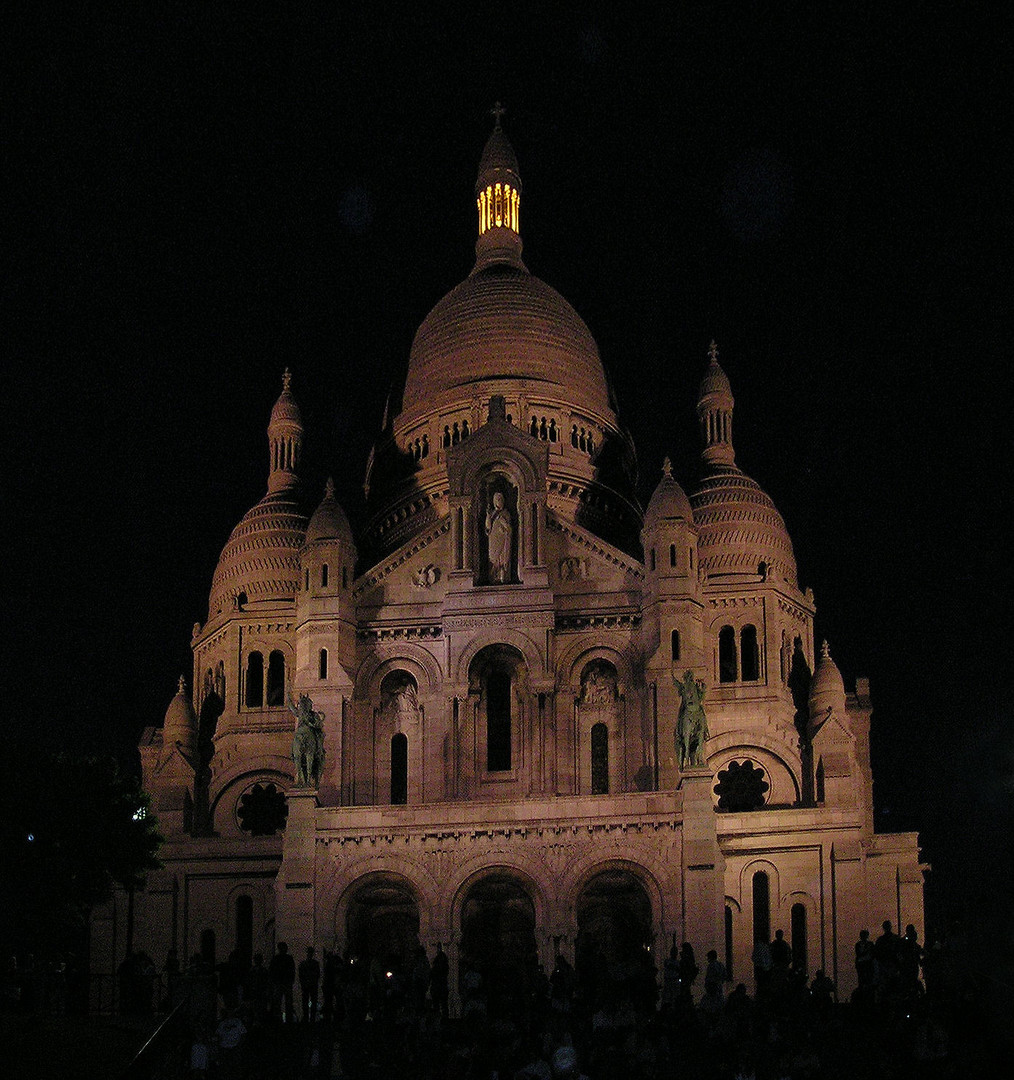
x=503 y=324
x=503 y=333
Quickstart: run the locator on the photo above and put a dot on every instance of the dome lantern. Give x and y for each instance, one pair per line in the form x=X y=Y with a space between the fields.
x=714 y=413
x=285 y=439
x=498 y=201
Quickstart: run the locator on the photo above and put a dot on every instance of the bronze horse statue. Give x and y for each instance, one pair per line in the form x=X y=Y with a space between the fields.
x=307 y=742
x=692 y=724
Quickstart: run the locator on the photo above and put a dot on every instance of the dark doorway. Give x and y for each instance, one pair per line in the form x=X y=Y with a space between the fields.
x=613 y=948
x=498 y=940
x=382 y=925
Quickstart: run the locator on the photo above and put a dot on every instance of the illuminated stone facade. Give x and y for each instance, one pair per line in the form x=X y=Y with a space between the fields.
x=497 y=658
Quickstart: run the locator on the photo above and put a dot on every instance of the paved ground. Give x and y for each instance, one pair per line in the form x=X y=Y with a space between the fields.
x=69 y=1047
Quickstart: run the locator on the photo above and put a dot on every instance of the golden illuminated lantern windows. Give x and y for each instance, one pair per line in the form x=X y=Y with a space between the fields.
x=499 y=206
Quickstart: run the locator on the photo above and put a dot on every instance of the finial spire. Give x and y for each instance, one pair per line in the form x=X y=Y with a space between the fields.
x=713 y=351
x=667 y=467
x=329 y=489
x=825 y=652
x=286 y=381
x=497 y=112
x=181 y=687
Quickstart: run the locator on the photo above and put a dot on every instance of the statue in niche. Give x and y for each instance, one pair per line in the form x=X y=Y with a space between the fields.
x=692 y=724
x=500 y=533
x=308 y=742
x=598 y=685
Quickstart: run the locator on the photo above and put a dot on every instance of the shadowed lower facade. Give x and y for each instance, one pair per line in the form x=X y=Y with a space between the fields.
x=500 y=657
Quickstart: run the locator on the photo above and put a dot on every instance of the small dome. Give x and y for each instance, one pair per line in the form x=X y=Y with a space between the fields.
x=285 y=410
x=261 y=558
x=714 y=380
x=329 y=521
x=497 y=154
x=180 y=723
x=739 y=528
x=827 y=689
x=668 y=500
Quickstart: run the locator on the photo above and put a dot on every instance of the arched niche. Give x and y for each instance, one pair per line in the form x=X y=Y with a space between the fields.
x=397 y=737
x=499 y=698
x=599 y=712
x=498 y=517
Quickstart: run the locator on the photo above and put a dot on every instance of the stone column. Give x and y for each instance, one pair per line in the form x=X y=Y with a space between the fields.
x=848 y=913
x=703 y=866
x=294 y=886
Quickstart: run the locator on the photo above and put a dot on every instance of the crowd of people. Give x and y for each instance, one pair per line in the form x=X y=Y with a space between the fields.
x=380 y=1016
x=914 y=1013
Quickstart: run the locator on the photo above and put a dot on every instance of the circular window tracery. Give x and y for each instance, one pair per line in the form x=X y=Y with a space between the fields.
x=741 y=786
x=262 y=811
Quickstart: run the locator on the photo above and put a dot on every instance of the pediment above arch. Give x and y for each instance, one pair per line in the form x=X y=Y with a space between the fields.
x=498 y=446
x=581 y=562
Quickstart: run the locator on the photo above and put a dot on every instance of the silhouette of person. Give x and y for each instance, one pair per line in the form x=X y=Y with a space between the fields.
x=309 y=983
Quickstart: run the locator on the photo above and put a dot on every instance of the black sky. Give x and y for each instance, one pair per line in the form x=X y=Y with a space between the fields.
x=203 y=196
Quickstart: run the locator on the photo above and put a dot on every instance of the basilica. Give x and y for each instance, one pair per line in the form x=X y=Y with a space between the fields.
x=515 y=714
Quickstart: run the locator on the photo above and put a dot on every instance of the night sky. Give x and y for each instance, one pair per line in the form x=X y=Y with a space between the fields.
x=202 y=198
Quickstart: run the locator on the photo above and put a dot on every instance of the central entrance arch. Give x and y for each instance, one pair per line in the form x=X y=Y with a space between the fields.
x=498 y=941
x=613 y=948
x=382 y=926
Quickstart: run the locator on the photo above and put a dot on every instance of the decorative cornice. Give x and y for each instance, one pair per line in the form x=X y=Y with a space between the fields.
x=393 y=633
x=623 y=620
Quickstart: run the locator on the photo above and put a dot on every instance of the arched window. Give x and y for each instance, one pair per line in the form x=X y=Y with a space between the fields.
x=728 y=941
x=306 y=579
x=345 y=577
x=672 y=554
x=599 y=759
x=255 y=681
x=244 y=928
x=498 y=721
x=799 y=961
x=322 y=664
x=651 y=560
x=674 y=645
x=323 y=576
x=761 y=907
x=276 y=679
x=399 y=769
x=727 y=668
x=749 y=653
x=820 y=780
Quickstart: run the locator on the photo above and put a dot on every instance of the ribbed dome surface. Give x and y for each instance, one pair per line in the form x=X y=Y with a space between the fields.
x=503 y=323
x=261 y=557
x=286 y=409
x=739 y=527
